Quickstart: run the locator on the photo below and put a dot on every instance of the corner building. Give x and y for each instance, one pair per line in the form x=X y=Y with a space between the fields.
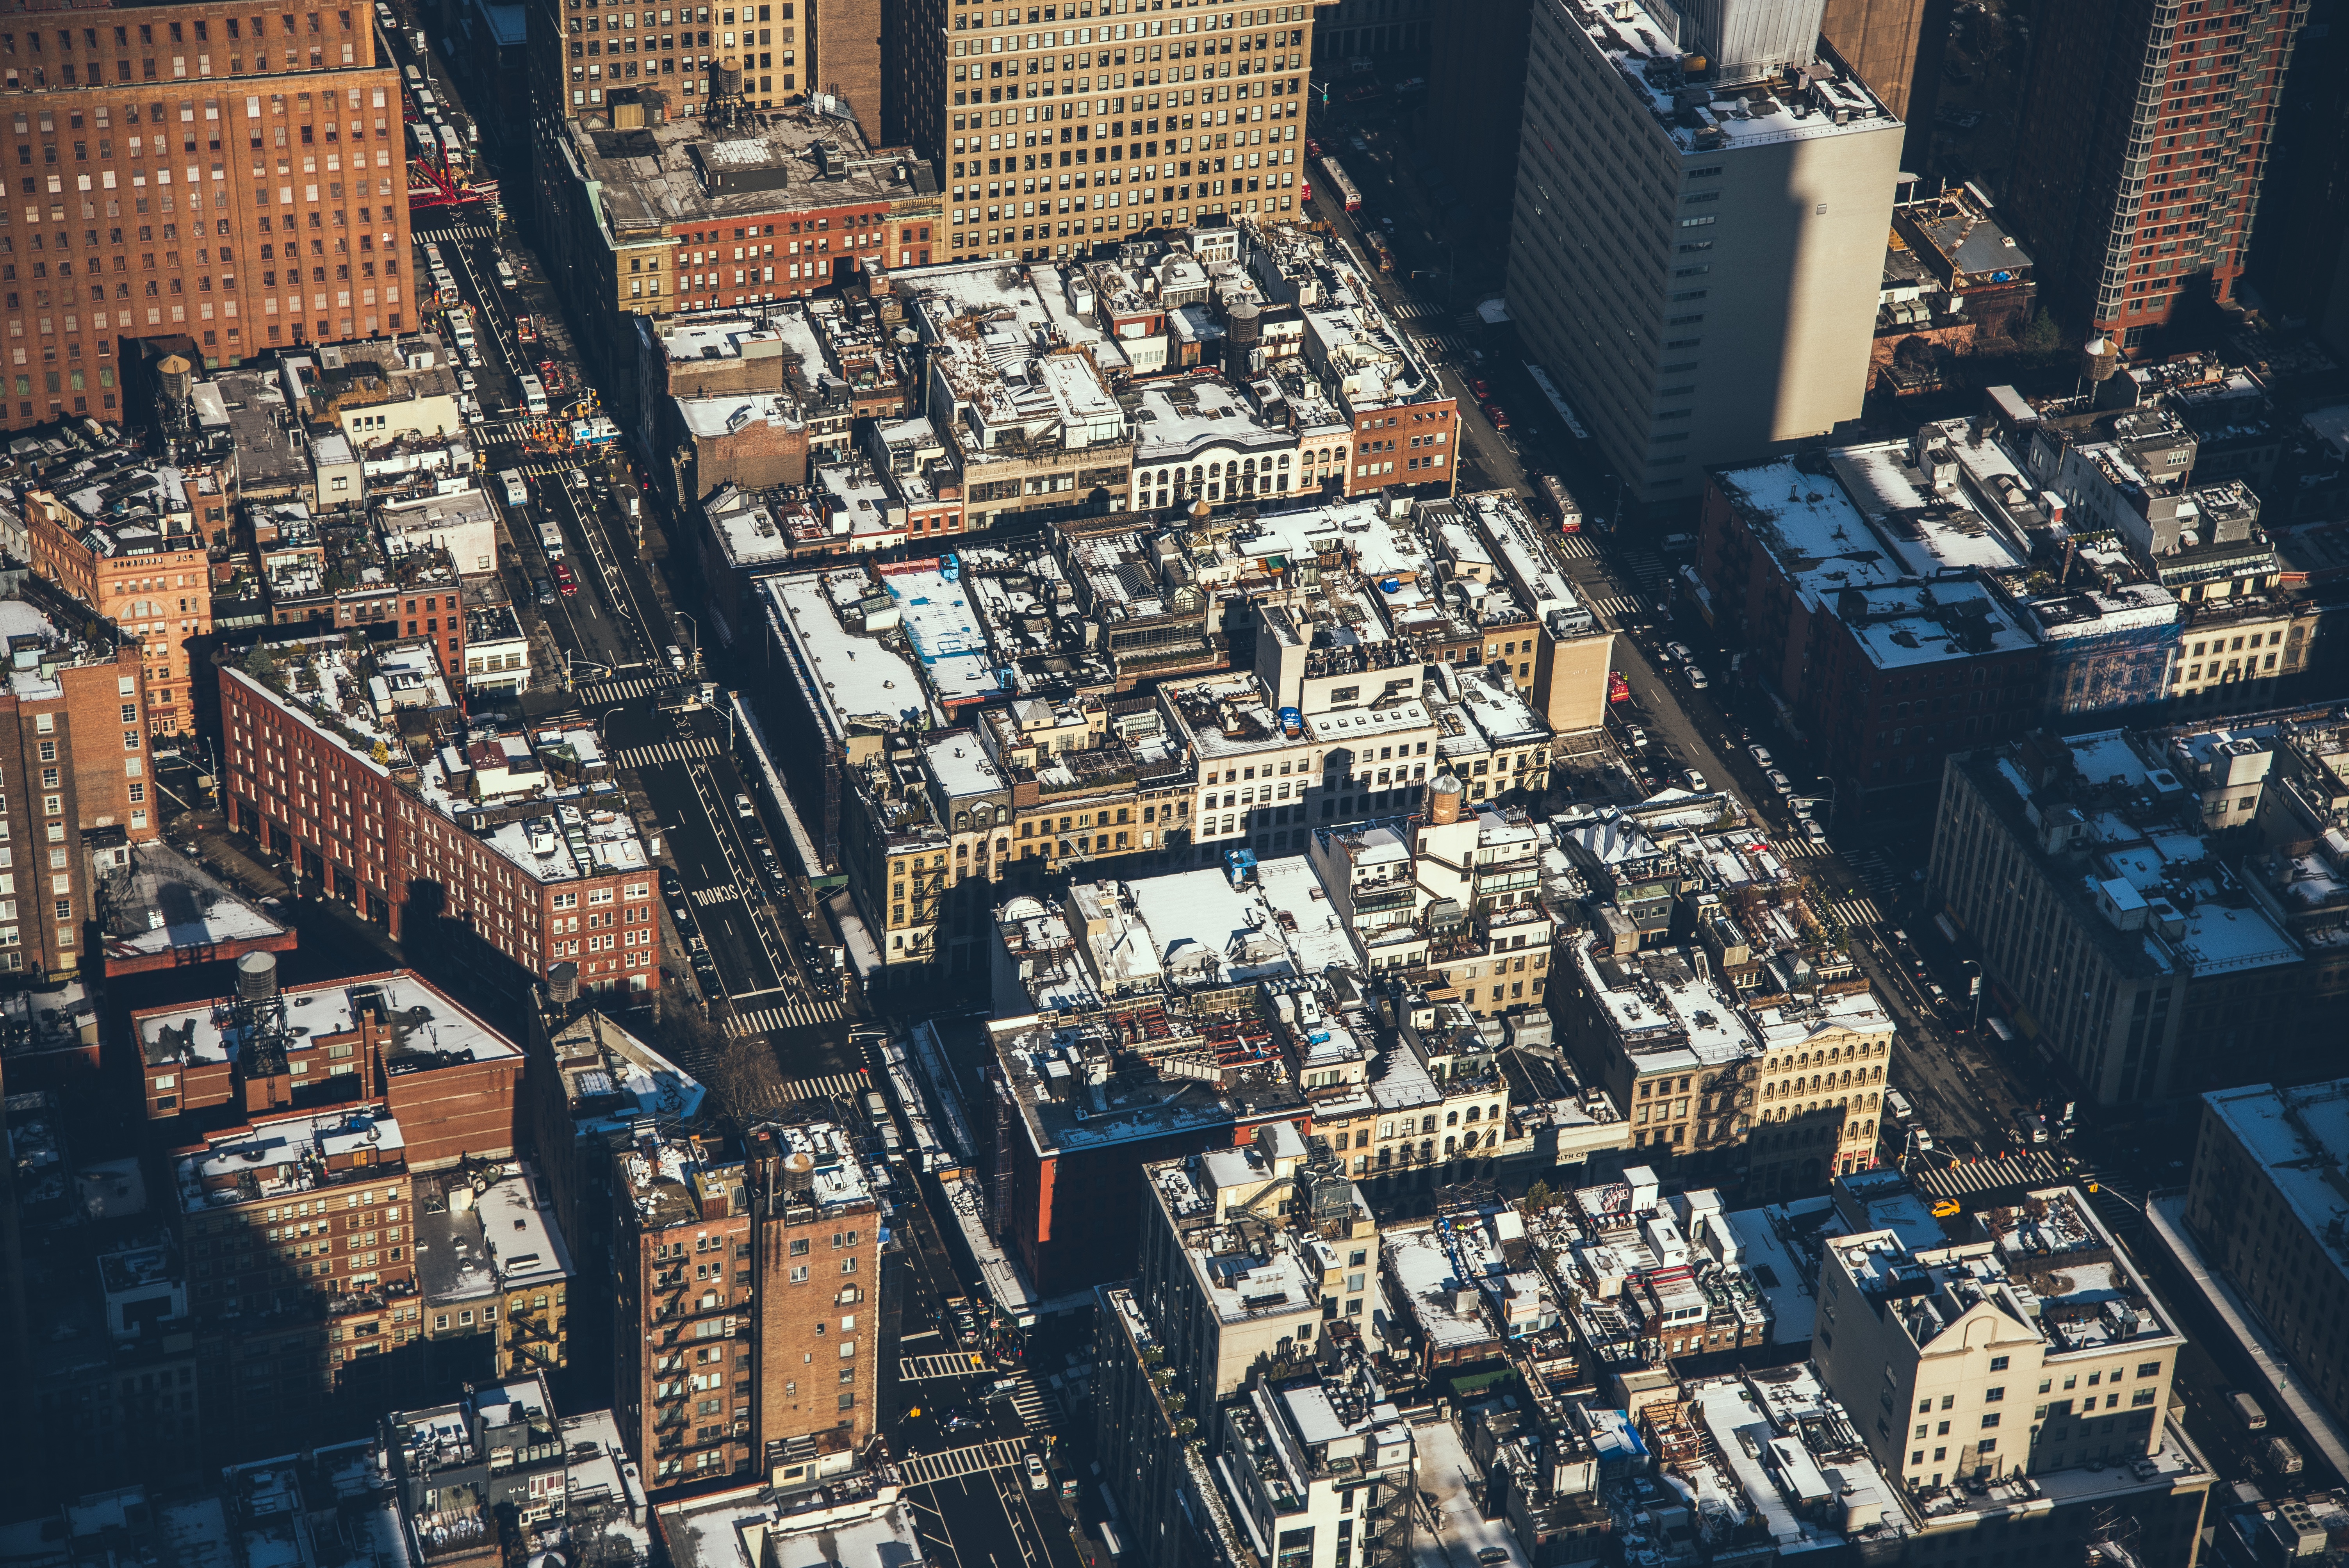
x=205 y=175
x=1147 y=114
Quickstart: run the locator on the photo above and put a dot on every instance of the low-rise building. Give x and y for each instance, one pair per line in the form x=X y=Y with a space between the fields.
x=1020 y=387
x=646 y=211
x=536 y=847
x=2080 y=869
x=495 y=1268
x=2038 y=1314
x=1305 y=1456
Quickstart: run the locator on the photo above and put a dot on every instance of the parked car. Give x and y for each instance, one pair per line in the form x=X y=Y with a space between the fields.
x=541 y=590
x=676 y=657
x=1697 y=678
x=1780 y=782
x=1813 y=833
x=1636 y=735
x=1762 y=758
x=1679 y=651
x=672 y=885
x=1038 y=1478
x=1694 y=780
x=743 y=807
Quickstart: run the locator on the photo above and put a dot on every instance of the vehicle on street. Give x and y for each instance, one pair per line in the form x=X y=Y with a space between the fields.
x=1490 y=1556
x=1365 y=93
x=671 y=884
x=469 y=408
x=676 y=657
x=541 y=590
x=1039 y=1478
x=2032 y=1126
x=1312 y=148
x=1679 y=651
x=1813 y=833
x=468 y=382
x=1497 y=415
x=743 y=807
x=1897 y=1104
x=1697 y=678
x=1480 y=392
x=533 y=396
x=1694 y=779
x=1801 y=805
x=506 y=278
x=517 y=493
x=1780 y=782
x=564 y=579
x=2247 y=1410
x=1349 y=194
x=1762 y=758
x=1636 y=735
x=2282 y=1456
x=550 y=539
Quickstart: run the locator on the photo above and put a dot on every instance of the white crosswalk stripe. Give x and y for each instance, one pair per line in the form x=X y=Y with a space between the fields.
x=624 y=690
x=1618 y=607
x=1440 y=342
x=960 y=1364
x=1647 y=567
x=666 y=751
x=1574 y=547
x=830 y=1086
x=1795 y=847
x=1411 y=310
x=790 y=1015
x=1028 y=1400
x=1856 y=911
x=922 y=1470
x=458 y=232
x=1468 y=320
x=706 y=896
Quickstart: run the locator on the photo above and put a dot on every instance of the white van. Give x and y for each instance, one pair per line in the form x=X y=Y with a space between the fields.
x=506 y=279
x=1897 y=1104
x=550 y=539
x=533 y=394
x=517 y=493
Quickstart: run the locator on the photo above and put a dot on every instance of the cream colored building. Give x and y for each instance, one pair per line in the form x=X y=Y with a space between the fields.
x=1130 y=119
x=1821 y=1081
x=1697 y=246
x=2033 y=1347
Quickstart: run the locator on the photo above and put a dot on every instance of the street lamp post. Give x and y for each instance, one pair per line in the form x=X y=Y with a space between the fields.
x=1975 y=989
x=693 y=641
x=1830 y=783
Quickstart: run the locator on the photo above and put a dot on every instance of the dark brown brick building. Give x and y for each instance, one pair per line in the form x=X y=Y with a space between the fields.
x=199 y=174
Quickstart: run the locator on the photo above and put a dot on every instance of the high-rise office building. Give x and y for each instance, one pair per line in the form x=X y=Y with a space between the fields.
x=2145 y=131
x=195 y=174
x=1201 y=109
x=1702 y=203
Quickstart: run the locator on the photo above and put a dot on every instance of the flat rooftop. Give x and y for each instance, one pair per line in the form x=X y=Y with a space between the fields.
x=2300 y=1138
x=683 y=171
x=855 y=664
x=1818 y=539
x=422 y=1017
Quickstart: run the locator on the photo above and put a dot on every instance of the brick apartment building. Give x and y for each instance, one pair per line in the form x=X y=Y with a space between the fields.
x=149 y=573
x=359 y=794
x=2143 y=142
x=654 y=215
x=743 y=1323
x=391 y=1039
x=1184 y=117
x=73 y=760
x=172 y=163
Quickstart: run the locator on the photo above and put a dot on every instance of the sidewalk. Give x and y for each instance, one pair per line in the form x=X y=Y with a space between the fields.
x=2285 y=1381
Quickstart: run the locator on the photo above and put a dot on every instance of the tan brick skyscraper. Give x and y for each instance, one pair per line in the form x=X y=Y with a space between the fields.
x=230 y=177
